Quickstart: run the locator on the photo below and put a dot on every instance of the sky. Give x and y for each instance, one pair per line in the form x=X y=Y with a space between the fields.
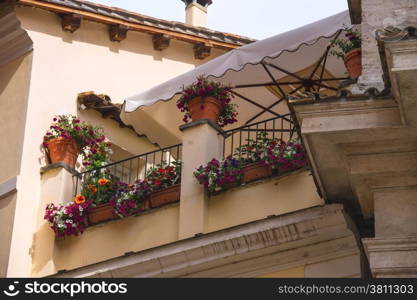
x=256 y=19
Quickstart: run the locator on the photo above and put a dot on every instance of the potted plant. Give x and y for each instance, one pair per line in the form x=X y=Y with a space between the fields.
x=350 y=51
x=217 y=175
x=68 y=137
x=67 y=220
x=99 y=188
x=164 y=182
x=206 y=99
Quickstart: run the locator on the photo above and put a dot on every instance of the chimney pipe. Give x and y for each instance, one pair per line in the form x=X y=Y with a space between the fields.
x=196 y=12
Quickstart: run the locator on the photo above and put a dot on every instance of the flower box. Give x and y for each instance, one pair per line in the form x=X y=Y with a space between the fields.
x=165 y=196
x=101 y=213
x=255 y=171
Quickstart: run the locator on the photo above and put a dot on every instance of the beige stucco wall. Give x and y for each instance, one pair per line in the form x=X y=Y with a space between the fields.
x=104 y=241
x=256 y=201
x=64 y=65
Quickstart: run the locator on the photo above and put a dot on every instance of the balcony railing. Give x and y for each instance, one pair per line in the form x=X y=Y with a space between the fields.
x=132 y=169
x=279 y=127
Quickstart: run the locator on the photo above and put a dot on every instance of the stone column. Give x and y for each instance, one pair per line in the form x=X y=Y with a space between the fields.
x=202 y=141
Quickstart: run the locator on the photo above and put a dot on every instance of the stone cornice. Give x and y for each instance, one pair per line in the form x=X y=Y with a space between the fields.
x=392 y=256
x=244 y=250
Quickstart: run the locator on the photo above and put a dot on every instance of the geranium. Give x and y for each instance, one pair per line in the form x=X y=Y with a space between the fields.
x=79 y=199
x=103 y=181
x=161 y=176
x=95 y=148
x=217 y=175
x=352 y=40
x=205 y=88
x=67 y=219
x=129 y=199
x=99 y=186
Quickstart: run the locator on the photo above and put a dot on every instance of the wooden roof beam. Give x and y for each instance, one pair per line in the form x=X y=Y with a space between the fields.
x=70 y=22
x=203 y=50
x=118 y=33
x=161 y=41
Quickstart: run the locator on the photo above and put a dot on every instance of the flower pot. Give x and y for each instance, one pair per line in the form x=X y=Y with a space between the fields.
x=205 y=108
x=101 y=213
x=165 y=196
x=63 y=150
x=353 y=63
x=256 y=170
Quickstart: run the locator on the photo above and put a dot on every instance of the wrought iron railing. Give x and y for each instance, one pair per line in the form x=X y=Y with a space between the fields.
x=131 y=169
x=279 y=127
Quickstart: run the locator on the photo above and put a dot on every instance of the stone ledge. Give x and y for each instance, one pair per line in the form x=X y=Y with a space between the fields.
x=203 y=121
x=57 y=165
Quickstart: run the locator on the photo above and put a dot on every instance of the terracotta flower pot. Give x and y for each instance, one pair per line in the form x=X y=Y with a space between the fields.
x=256 y=170
x=353 y=63
x=205 y=108
x=165 y=196
x=101 y=213
x=63 y=150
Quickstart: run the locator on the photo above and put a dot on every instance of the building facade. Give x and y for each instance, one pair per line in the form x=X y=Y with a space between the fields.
x=336 y=218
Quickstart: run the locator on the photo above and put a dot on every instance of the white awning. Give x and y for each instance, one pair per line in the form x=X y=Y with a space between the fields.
x=294 y=52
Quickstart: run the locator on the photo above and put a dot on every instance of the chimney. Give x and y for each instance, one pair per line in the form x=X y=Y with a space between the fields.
x=196 y=12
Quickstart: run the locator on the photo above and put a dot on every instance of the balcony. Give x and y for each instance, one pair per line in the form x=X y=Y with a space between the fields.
x=279 y=192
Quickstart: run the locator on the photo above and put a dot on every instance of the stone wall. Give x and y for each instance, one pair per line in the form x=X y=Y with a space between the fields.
x=377 y=14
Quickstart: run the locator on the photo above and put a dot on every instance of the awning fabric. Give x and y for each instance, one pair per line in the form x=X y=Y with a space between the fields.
x=294 y=51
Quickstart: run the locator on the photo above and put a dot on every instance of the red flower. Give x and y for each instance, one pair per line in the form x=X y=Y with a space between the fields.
x=161 y=171
x=157 y=182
